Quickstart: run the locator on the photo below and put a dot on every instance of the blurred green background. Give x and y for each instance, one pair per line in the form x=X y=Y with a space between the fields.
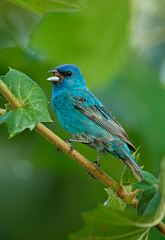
x=120 y=47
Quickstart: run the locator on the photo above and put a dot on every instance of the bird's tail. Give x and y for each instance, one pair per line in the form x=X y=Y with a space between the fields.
x=123 y=152
x=132 y=164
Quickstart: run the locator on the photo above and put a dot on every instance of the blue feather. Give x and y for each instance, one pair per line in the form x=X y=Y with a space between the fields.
x=82 y=114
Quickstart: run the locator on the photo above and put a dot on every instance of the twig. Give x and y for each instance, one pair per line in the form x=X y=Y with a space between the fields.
x=5 y=91
x=161 y=228
x=75 y=155
x=2 y=111
x=62 y=145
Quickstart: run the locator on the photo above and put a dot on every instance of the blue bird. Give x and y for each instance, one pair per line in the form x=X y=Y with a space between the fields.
x=82 y=114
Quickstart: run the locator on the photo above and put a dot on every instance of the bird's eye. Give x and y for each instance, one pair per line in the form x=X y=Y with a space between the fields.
x=69 y=73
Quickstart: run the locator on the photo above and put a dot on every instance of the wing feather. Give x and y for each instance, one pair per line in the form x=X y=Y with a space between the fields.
x=97 y=113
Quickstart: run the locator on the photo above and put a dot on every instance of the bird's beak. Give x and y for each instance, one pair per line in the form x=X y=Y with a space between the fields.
x=57 y=76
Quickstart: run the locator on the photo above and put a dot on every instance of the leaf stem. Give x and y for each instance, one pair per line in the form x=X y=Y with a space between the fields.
x=75 y=155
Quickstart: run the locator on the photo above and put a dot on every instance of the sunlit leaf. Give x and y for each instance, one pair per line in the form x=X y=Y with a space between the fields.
x=114 y=201
x=34 y=101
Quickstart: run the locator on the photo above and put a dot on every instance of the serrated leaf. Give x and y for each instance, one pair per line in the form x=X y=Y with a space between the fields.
x=114 y=201
x=32 y=97
x=159 y=208
x=149 y=198
x=107 y=223
x=148 y=201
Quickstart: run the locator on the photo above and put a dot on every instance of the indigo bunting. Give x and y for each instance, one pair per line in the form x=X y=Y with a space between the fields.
x=82 y=114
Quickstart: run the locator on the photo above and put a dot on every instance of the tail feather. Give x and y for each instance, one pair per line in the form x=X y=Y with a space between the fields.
x=131 y=163
x=122 y=151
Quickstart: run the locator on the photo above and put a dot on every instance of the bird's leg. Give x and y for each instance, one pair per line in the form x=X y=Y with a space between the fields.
x=58 y=149
x=76 y=140
x=68 y=141
x=96 y=162
x=90 y=174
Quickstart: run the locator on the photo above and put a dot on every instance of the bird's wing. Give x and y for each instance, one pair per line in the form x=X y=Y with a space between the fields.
x=91 y=107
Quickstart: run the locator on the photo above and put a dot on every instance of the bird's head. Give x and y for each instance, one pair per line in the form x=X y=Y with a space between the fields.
x=67 y=75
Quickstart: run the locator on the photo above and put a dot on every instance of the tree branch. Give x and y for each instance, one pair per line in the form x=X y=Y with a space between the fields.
x=129 y=198
x=62 y=145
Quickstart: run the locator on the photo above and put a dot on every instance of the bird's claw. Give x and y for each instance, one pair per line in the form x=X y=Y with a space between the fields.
x=69 y=144
x=58 y=150
x=90 y=174
x=96 y=164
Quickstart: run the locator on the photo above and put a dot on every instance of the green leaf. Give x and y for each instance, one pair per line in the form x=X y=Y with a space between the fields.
x=149 y=198
x=160 y=213
x=149 y=178
x=34 y=101
x=106 y=223
x=127 y=177
x=4 y=118
x=18 y=20
x=16 y=25
x=151 y=204
x=148 y=201
x=114 y=201
x=149 y=182
x=159 y=209
x=41 y=7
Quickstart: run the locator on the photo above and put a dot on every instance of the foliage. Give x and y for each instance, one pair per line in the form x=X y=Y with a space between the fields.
x=34 y=102
x=19 y=18
x=103 y=223
x=40 y=187
x=114 y=201
x=113 y=221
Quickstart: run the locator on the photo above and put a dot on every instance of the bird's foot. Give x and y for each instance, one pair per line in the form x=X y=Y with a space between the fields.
x=58 y=150
x=90 y=174
x=98 y=159
x=69 y=144
x=97 y=164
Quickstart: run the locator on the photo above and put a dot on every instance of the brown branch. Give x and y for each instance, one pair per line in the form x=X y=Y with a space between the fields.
x=62 y=145
x=5 y=91
x=80 y=159
x=2 y=111
x=161 y=228
x=129 y=198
